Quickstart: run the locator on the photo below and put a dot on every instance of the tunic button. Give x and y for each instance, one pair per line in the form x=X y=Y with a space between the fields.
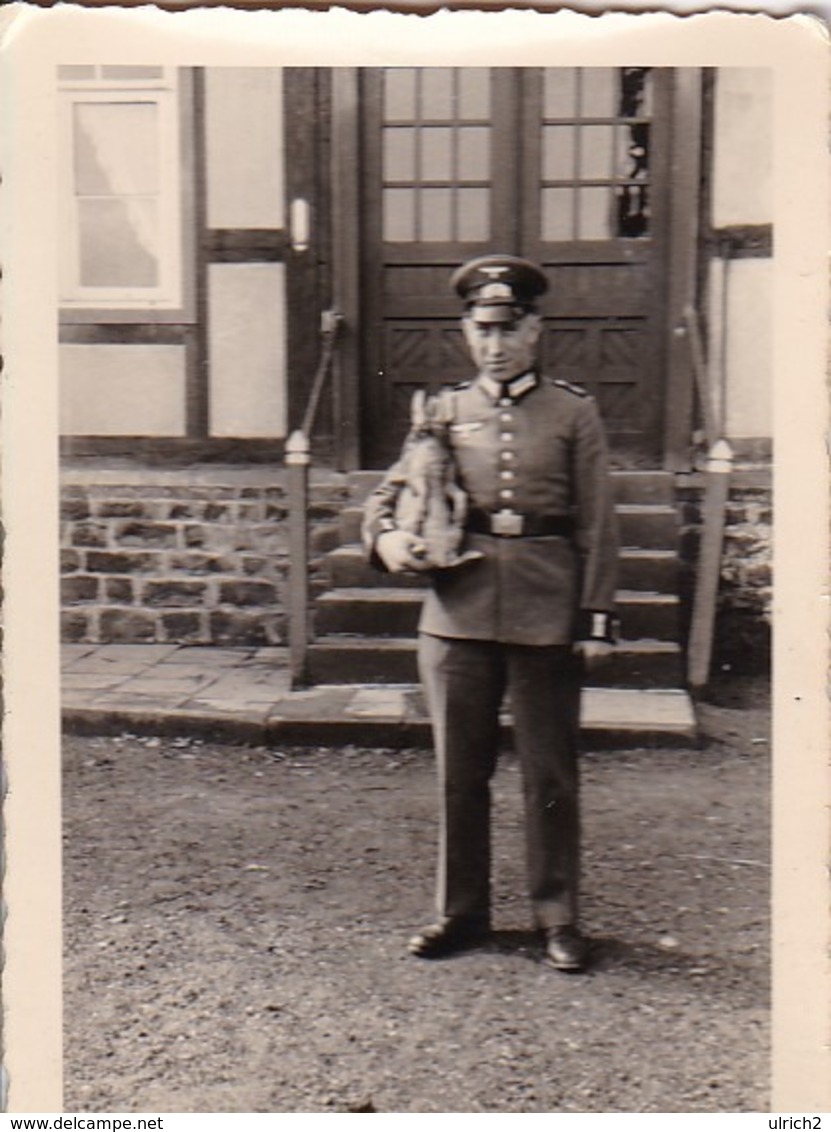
x=506 y=418
x=506 y=456
x=505 y=437
x=506 y=493
x=505 y=402
x=506 y=475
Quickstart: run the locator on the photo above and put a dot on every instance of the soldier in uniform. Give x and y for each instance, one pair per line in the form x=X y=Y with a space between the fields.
x=527 y=617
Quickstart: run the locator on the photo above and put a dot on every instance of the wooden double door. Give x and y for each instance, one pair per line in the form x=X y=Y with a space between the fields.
x=567 y=166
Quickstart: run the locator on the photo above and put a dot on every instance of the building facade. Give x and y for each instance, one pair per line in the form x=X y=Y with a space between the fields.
x=210 y=216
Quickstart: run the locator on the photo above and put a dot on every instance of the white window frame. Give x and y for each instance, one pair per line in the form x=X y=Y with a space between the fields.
x=162 y=93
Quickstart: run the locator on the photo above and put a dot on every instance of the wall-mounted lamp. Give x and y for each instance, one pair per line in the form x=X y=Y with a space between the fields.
x=300 y=224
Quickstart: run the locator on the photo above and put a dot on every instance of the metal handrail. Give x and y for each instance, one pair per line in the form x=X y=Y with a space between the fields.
x=712 y=429
x=298 y=462
x=718 y=470
x=330 y=323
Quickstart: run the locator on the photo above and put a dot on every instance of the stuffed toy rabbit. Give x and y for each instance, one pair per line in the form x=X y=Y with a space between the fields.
x=431 y=503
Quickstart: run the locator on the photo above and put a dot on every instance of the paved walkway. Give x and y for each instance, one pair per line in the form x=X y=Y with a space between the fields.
x=244 y=694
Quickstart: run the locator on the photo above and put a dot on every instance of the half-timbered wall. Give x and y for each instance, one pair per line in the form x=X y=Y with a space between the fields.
x=740 y=276
x=189 y=309
x=173 y=258
x=246 y=299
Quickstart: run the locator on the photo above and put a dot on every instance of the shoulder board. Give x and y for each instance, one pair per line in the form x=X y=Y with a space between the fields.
x=577 y=390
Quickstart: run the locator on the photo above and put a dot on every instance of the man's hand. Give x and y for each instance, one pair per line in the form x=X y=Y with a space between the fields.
x=594 y=653
x=401 y=551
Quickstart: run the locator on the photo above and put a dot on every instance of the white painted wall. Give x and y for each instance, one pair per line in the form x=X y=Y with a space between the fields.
x=247 y=304
x=244 y=141
x=247 y=350
x=139 y=390
x=742 y=193
x=120 y=390
x=747 y=348
x=743 y=147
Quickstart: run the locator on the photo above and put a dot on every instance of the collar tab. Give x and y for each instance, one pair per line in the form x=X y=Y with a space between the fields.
x=515 y=388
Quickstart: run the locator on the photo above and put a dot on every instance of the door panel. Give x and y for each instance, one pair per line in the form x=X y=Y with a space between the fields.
x=594 y=204
x=565 y=166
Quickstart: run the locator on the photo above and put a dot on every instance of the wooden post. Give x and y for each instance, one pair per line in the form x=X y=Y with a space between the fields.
x=346 y=265
x=719 y=467
x=297 y=465
x=682 y=235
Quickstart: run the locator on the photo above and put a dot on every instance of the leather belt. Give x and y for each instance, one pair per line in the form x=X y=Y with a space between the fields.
x=512 y=524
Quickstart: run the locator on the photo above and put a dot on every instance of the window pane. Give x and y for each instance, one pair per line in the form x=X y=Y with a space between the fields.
x=474 y=92
x=399 y=93
x=474 y=153
x=473 y=220
x=399 y=153
x=595 y=214
x=437 y=93
x=130 y=72
x=435 y=214
x=119 y=243
x=557 y=214
x=116 y=148
x=437 y=153
x=560 y=90
x=399 y=215
x=598 y=89
x=72 y=72
x=596 y=147
x=558 y=153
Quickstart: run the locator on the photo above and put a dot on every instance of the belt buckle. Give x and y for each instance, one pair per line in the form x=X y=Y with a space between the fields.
x=506 y=523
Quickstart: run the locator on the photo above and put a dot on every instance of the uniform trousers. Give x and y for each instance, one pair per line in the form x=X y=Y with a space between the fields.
x=465 y=682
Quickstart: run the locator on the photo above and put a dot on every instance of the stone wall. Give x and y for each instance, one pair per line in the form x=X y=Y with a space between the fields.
x=201 y=557
x=189 y=557
x=745 y=598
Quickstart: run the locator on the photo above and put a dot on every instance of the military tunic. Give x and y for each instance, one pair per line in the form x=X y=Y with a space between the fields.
x=507 y=622
x=539 y=451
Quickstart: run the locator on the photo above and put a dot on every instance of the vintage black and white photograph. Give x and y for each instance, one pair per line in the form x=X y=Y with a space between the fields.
x=416 y=460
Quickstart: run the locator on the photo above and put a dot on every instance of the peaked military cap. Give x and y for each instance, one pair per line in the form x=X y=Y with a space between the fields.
x=499 y=288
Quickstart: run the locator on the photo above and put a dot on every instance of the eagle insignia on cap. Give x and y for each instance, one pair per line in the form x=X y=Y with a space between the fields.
x=502 y=286
x=496 y=291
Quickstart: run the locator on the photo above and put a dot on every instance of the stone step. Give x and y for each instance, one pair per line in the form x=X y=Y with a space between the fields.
x=642 y=715
x=391 y=612
x=643 y=487
x=648 y=526
x=348 y=567
x=361 y=483
x=392 y=660
x=395 y=715
x=653 y=569
x=653 y=525
x=648 y=486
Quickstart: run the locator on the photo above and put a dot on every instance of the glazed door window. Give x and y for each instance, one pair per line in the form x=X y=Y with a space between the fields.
x=436 y=155
x=567 y=166
x=595 y=153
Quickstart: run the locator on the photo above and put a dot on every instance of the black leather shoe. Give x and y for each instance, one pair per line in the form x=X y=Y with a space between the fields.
x=447 y=937
x=566 y=949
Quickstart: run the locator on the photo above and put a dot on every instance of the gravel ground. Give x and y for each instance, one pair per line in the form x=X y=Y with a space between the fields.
x=236 y=922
